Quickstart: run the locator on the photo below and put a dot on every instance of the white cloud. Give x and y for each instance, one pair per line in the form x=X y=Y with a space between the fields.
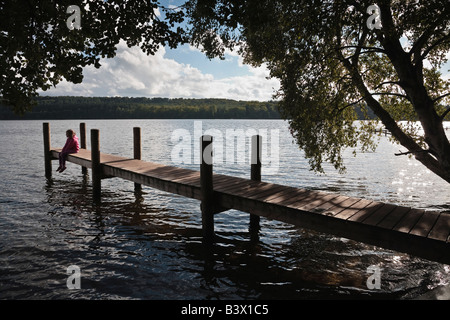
x=132 y=73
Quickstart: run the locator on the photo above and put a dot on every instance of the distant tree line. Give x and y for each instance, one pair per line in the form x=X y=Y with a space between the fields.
x=69 y=107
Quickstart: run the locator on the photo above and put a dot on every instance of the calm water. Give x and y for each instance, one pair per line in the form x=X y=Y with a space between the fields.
x=149 y=246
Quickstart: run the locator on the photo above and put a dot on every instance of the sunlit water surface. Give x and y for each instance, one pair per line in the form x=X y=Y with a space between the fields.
x=149 y=246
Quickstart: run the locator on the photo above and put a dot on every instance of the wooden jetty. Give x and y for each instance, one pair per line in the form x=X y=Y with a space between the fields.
x=417 y=232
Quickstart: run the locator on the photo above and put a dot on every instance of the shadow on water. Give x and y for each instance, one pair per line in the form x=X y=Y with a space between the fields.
x=139 y=246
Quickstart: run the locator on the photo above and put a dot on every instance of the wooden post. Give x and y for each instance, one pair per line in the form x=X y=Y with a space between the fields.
x=255 y=174
x=96 y=169
x=47 y=155
x=137 y=152
x=83 y=142
x=207 y=191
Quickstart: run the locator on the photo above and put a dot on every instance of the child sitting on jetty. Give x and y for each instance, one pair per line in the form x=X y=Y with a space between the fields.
x=72 y=146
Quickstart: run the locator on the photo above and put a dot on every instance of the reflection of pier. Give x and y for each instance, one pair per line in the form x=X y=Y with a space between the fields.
x=418 y=232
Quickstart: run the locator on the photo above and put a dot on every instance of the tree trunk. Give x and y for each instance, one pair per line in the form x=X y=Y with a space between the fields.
x=411 y=81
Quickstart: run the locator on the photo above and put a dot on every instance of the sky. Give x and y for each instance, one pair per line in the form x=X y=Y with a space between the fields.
x=184 y=72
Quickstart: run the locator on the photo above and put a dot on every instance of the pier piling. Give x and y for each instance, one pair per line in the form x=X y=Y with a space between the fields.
x=137 y=152
x=255 y=175
x=47 y=148
x=83 y=143
x=96 y=169
x=206 y=186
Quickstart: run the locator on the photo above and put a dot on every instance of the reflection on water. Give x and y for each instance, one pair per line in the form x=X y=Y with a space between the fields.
x=148 y=245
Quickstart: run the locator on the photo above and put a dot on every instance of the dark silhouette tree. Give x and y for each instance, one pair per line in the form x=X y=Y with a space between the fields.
x=40 y=42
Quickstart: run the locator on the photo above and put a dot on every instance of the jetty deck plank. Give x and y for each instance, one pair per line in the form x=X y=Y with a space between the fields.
x=409 y=220
x=414 y=231
x=441 y=229
x=425 y=223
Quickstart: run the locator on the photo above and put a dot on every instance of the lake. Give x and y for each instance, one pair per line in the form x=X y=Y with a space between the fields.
x=149 y=246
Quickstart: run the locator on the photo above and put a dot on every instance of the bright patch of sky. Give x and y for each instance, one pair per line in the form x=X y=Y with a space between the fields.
x=231 y=66
x=181 y=73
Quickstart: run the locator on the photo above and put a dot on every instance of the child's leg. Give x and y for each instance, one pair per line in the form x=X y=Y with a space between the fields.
x=62 y=160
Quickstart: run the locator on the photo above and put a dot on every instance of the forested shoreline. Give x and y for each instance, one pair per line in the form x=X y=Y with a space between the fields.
x=70 y=107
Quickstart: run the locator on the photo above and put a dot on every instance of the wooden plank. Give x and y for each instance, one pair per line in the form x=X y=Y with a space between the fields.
x=231 y=183
x=295 y=197
x=143 y=167
x=324 y=208
x=313 y=196
x=394 y=217
x=152 y=173
x=263 y=191
x=174 y=176
x=441 y=229
x=107 y=158
x=165 y=173
x=189 y=182
x=282 y=196
x=273 y=193
x=379 y=214
x=188 y=178
x=258 y=188
x=425 y=223
x=133 y=164
x=184 y=173
x=126 y=164
x=314 y=205
x=337 y=208
x=220 y=180
x=408 y=221
x=233 y=186
x=353 y=209
x=224 y=180
x=239 y=186
x=362 y=215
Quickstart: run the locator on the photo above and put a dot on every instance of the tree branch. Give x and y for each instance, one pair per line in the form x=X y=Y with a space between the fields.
x=375 y=49
x=445 y=113
x=435 y=44
x=421 y=41
x=440 y=97
x=387 y=82
x=391 y=94
x=348 y=105
x=411 y=152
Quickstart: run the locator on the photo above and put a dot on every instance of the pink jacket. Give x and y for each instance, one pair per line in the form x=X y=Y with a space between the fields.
x=72 y=145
